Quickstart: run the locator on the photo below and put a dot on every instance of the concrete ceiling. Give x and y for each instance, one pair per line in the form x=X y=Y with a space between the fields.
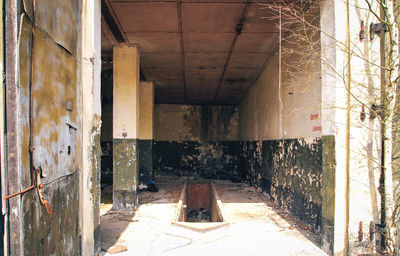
x=192 y=49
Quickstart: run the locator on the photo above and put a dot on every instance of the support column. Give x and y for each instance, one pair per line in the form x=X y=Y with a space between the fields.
x=125 y=127
x=146 y=118
x=90 y=110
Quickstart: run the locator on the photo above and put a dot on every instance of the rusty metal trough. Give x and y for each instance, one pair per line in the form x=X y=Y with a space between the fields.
x=200 y=195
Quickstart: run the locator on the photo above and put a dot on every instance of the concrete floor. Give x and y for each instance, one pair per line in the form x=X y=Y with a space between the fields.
x=257 y=227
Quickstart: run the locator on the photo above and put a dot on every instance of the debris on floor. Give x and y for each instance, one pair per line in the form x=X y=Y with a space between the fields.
x=117 y=248
x=150 y=186
x=198 y=215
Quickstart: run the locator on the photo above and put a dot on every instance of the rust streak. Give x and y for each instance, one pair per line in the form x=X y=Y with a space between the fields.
x=19 y=192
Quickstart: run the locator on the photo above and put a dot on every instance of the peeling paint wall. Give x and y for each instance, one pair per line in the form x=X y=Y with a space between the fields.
x=125 y=176
x=281 y=133
x=196 y=141
x=308 y=110
x=290 y=170
x=214 y=160
x=126 y=95
x=56 y=125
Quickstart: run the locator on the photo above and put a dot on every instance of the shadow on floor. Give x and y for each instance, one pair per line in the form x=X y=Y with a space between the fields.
x=113 y=223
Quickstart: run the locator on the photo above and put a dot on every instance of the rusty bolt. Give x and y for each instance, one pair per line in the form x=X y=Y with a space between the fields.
x=31 y=149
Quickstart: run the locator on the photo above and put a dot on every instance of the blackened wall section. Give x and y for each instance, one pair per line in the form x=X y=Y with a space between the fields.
x=216 y=160
x=291 y=171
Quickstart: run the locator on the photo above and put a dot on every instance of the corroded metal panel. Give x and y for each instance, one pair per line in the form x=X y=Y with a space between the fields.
x=55 y=234
x=25 y=41
x=199 y=196
x=55 y=105
x=60 y=19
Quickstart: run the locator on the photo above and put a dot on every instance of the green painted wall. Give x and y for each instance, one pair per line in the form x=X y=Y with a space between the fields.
x=125 y=174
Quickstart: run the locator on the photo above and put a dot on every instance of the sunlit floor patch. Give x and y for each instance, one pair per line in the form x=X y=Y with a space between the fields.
x=257 y=227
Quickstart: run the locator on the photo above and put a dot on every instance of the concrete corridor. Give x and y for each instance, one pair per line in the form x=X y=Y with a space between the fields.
x=283 y=95
x=257 y=226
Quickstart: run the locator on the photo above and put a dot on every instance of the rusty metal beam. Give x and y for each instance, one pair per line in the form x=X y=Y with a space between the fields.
x=13 y=175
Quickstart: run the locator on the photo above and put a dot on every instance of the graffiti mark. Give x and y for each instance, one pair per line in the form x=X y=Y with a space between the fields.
x=317 y=128
x=314 y=116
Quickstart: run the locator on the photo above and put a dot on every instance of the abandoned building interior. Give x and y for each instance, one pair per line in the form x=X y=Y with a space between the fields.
x=136 y=108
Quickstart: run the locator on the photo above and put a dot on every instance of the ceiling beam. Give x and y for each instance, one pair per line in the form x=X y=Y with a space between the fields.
x=239 y=27
x=179 y=12
x=112 y=23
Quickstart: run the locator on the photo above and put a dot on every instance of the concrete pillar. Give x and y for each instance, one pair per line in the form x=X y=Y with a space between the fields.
x=125 y=127
x=89 y=217
x=146 y=131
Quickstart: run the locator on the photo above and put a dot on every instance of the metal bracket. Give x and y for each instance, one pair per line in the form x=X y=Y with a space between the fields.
x=376 y=28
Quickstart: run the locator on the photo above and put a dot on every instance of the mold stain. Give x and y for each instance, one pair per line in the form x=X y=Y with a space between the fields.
x=293 y=168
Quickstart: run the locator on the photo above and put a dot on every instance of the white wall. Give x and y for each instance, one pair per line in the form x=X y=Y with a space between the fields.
x=291 y=108
x=364 y=201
